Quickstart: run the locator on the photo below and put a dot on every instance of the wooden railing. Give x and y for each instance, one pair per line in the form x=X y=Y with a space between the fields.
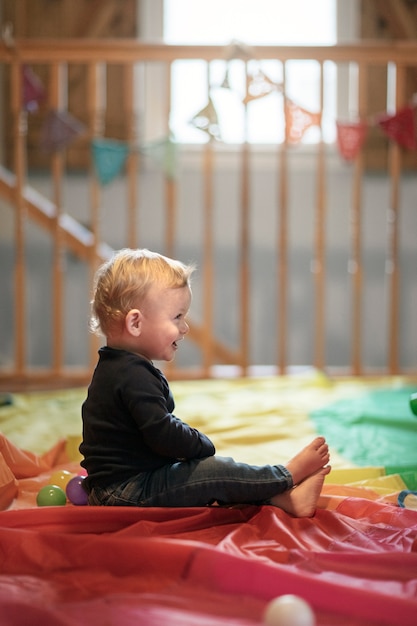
x=86 y=243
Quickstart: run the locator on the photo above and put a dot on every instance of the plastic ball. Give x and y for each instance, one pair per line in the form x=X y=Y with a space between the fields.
x=75 y=491
x=51 y=495
x=413 y=403
x=289 y=610
x=61 y=478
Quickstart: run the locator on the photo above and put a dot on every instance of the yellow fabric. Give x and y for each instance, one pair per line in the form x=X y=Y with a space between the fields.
x=256 y=420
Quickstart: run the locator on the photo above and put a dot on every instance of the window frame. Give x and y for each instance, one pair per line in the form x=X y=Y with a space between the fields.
x=151 y=26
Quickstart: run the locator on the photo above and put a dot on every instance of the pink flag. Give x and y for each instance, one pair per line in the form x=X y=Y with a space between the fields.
x=350 y=138
x=33 y=89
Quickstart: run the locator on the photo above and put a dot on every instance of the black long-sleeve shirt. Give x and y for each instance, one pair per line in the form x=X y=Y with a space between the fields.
x=128 y=421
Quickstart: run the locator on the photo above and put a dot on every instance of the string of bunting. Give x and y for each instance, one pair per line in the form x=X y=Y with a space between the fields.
x=60 y=128
x=110 y=155
x=351 y=135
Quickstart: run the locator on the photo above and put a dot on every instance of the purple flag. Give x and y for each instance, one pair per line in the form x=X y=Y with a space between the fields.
x=60 y=128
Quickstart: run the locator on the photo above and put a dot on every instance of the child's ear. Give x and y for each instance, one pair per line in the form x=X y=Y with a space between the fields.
x=133 y=322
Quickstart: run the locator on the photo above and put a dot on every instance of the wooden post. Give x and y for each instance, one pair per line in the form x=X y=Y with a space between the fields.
x=96 y=107
x=355 y=263
x=132 y=165
x=57 y=164
x=244 y=243
x=319 y=262
x=208 y=252
x=282 y=243
x=170 y=182
x=19 y=135
x=170 y=186
x=392 y=264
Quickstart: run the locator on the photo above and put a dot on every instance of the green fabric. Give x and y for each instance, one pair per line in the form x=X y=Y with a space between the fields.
x=408 y=475
x=376 y=428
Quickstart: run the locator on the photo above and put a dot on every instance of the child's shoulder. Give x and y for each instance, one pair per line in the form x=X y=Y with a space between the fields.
x=129 y=361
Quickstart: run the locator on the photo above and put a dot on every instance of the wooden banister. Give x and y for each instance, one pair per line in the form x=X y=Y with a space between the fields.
x=92 y=59
x=37 y=51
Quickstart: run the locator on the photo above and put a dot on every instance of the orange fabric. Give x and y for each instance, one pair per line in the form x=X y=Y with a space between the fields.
x=355 y=561
x=8 y=484
x=24 y=463
x=18 y=464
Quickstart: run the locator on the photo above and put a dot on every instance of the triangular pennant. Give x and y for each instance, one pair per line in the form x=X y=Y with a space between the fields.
x=225 y=84
x=59 y=129
x=109 y=156
x=238 y=50
x=400 y=127
x=259 y=85
x=298 y=120
x=33 y=89
x=207 y=120
x=6 y=36
x=164 y=153
x=350 y=138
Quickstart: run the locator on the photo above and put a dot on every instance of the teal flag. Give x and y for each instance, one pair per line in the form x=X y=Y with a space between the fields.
x=109 y=156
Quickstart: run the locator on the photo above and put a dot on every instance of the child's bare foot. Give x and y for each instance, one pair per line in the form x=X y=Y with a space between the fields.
x=301 y=501
x=309 y=460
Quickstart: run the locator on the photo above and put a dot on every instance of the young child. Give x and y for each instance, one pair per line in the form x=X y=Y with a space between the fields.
x=136 y=452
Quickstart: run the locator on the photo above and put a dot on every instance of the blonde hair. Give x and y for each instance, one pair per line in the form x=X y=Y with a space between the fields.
x=123 y=282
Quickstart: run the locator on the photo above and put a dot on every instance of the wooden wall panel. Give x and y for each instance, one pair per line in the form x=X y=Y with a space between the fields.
x=388 y=20
x=69 y=19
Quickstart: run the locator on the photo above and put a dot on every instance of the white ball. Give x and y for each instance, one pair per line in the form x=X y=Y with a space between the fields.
x=289 y=610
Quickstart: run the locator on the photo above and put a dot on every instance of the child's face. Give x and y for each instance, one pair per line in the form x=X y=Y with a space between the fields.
x=163 y=322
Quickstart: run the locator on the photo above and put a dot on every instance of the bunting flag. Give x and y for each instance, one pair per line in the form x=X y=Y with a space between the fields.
x=400 y=127
x=59 y=129
x=259 y=85
x=238 y=50
x=109 y=157
x=225 y=84
x=164 y=153
x=350 y=138
x=207 y=120
x=33 y=90
x=298 y=120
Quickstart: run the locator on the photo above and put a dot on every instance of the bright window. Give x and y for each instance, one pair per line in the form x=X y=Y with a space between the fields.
x=249 y=22
x=280 y=22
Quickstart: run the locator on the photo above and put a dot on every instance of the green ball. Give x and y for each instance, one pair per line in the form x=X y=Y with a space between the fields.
x=51 y=495
x=413 y=403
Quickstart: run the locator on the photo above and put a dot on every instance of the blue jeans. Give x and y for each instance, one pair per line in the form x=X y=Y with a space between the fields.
x=198 y=482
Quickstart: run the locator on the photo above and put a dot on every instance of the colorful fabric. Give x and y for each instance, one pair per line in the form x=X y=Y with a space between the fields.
x=354 y=562
x=373 y=428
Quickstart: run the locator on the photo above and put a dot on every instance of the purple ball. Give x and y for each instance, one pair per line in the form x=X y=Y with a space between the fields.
x=75 y=491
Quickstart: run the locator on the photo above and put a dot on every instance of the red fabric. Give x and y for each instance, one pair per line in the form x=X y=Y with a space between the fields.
x=355 y=561
x=63 y=565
